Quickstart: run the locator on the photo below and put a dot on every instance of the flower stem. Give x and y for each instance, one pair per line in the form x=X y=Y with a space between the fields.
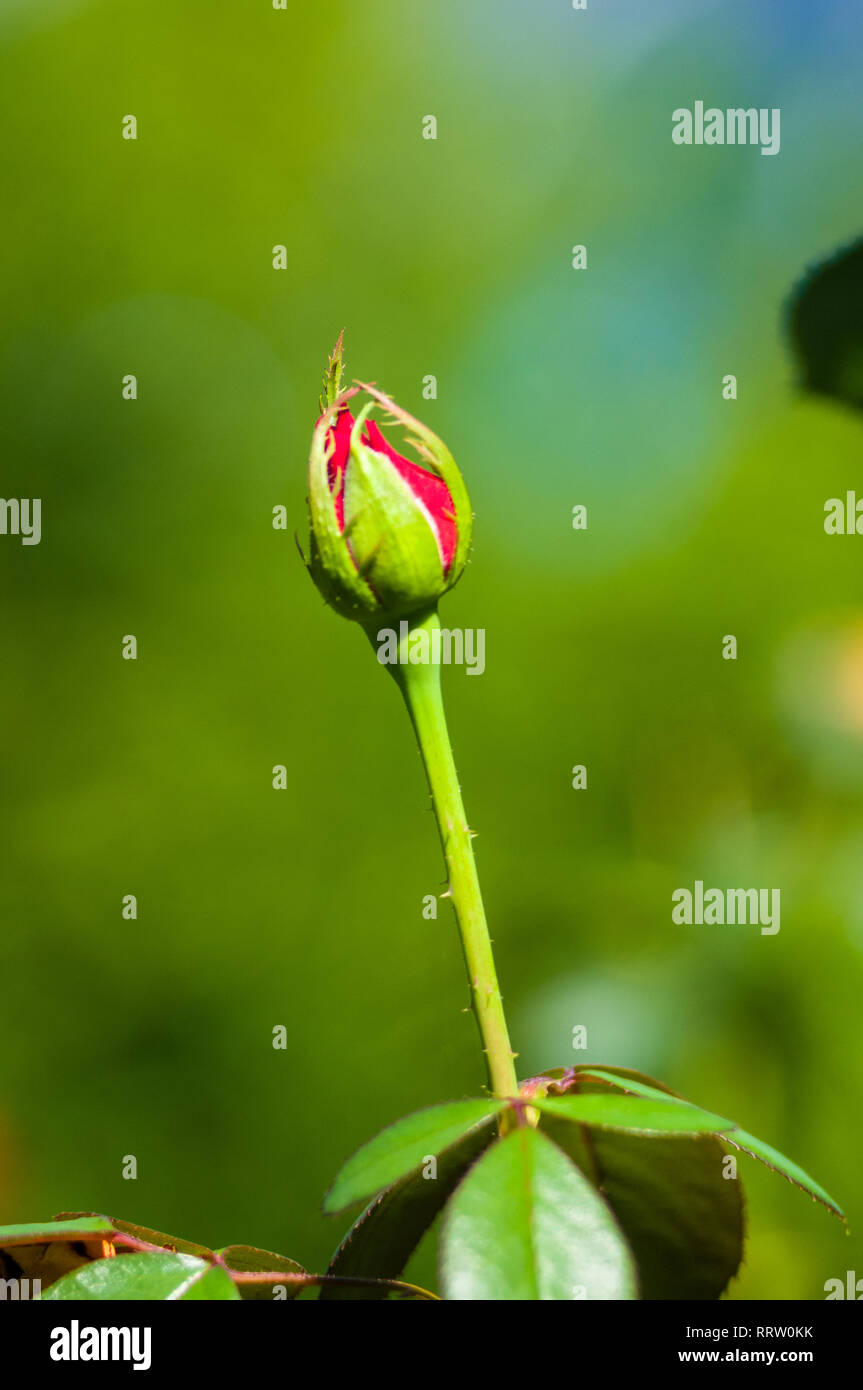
x=421 y=688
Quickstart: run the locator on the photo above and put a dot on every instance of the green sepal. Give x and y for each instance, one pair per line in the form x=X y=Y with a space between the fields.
x=390 y=534
x=438 y=459
x=330 y=562
x=333 y=374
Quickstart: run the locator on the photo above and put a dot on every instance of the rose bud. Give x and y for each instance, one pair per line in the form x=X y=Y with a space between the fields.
x=388 y=536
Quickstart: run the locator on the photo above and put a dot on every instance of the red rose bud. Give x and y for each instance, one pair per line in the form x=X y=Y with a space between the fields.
x=388 y=536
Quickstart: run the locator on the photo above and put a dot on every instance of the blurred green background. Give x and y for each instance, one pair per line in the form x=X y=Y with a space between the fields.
x=258 y=127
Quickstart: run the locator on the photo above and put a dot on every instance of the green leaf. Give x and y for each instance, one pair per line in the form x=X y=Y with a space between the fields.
x=526 y=1225
x=631 y=1081
x=404 y=1146
x=46 y=1250
x=248 y=1259
x=213 y=1284
x=80 y=1228
x=739 y=1138
x=634 y=1115
x=146 y=1277
x=756 y=1148
x=381 y=1241
x=144 y=1233
x=681 y=1217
